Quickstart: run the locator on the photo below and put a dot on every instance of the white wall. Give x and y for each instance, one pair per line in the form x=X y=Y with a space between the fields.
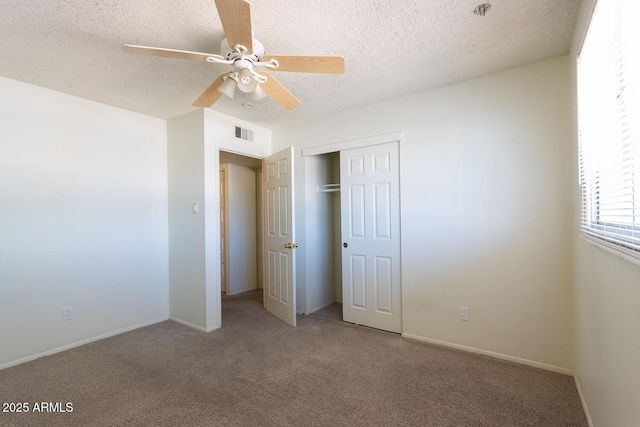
x=337 y=230
x=185 y=151
x=607 y=306
x=317 y=289
x=241 y=229
x=83 y=221
x=256 y=164
x=486 y=205
x=220 y=129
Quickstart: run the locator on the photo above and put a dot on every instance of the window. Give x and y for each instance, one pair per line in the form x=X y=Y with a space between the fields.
x=609 y=125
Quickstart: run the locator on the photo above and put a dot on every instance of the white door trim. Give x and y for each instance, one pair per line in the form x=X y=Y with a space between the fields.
x=213 y=298
x=353 y=143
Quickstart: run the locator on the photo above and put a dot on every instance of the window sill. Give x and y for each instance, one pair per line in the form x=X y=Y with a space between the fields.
x=632 y=257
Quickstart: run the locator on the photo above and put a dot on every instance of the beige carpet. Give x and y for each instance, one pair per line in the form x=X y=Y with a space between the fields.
x=256 y=370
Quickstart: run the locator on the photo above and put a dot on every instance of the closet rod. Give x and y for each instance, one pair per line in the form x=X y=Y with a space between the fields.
x=328 y=188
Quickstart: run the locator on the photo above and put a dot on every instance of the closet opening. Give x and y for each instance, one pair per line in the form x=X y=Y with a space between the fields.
x=240 y=229
x=322 y=295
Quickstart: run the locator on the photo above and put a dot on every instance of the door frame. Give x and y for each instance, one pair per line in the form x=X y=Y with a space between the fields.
x=354 y=143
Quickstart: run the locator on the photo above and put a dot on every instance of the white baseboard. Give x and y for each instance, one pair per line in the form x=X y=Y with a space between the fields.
x=515 y=359
x=242 y=291
x=320 y=307
x=191 y=325
x=583 y=401
x=79 y=343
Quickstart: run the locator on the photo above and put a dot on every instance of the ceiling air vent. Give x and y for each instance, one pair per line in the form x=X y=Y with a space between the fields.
x=246 y=134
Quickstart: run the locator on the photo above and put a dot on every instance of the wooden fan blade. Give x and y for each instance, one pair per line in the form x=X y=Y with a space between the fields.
x=236 y=21
x=278 y=93
x=308 y=64
x=168 y=53
x=210 y=95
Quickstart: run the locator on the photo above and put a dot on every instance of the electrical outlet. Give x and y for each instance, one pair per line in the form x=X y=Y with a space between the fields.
x=67 y=313
x=464 y=313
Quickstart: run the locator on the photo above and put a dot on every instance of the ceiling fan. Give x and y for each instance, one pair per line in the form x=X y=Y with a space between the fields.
x=246 y=54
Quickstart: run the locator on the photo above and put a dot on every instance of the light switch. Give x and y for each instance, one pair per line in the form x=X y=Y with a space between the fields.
x=195 y=208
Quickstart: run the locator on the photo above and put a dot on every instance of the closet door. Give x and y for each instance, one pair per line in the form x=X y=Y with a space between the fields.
x=370 y=224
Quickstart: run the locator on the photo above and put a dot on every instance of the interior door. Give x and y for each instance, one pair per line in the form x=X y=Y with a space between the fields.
x=370 y=225
x=279 y=242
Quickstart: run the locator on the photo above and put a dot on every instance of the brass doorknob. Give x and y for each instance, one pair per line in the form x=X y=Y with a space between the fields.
x=290 y=245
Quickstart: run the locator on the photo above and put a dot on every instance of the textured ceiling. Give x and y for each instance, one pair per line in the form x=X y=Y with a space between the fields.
x=391 y=48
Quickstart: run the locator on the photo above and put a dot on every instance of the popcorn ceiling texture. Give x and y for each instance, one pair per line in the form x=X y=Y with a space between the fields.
x=391 y=48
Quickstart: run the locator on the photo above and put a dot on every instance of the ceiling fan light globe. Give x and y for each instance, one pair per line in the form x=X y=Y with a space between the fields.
x=258 y=93
x=246 y=82
x=228 y=87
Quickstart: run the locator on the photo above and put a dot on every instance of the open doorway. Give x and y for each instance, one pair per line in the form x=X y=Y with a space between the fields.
x=240 y=229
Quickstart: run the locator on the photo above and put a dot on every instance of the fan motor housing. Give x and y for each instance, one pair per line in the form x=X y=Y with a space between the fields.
x=229 y=53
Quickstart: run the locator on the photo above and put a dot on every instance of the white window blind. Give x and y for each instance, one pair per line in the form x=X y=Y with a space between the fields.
x=609 y=125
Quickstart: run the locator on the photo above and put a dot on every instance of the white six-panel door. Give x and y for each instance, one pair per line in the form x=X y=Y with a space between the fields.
x=370 y=222
x=279 y=242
